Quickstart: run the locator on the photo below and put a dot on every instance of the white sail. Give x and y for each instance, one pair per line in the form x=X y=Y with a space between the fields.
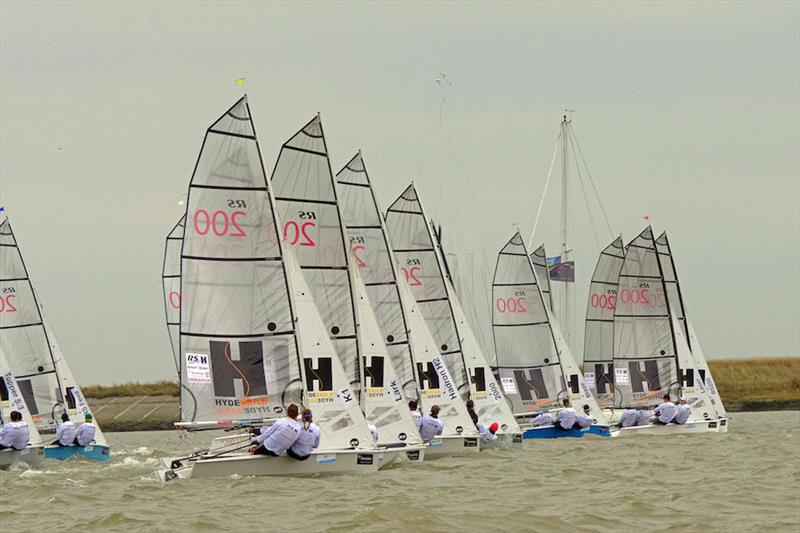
x=539 y=260
x=171 y=285
x=382 y=397
x=702 y=366
x=11 y=399
x=418 y=254
x=436 y=384
x=645 y=363
x=239 y=354
x=374 y=258
x=695 y=392
x=305 y=195
x=29 y=346
x=598 y=346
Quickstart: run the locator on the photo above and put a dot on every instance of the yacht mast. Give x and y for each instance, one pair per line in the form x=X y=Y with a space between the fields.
x=566 y=302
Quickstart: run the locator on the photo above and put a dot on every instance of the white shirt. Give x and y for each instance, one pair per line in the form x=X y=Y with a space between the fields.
x=543 y=419
x=566 y=417
x=642 y=418
x=628 y=418
x=417 y=416
x=65 y=434
x=307 y=441
x=584 y=420
x=280 y=436
x=683 y=414
x=85 y=433
x=15 y=435
x=665 y=412
x=486 y=435
x=373 y=430
x=430 y=427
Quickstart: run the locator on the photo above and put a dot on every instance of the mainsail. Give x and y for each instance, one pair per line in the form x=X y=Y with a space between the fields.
x=645 y=358
x=29 y=347
x=171 y=284
x=598 y=346
x=307 y=205
x=418 y=254
x=539 y=260
x=374 y=258
x=239 y=354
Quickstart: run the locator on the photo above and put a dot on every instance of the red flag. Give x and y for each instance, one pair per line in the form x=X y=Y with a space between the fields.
x=646 y=217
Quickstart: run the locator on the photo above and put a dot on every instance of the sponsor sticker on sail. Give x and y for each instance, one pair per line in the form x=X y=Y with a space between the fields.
x=197 y=368
x=621 y=376
x=588 y=380
x=509 y=387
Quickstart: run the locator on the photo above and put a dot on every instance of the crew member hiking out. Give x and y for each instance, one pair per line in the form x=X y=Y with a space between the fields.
x=431 y=425
x=84 y=435
x=15 y=434
x=566 y=416
x=307 y=441
x=280 y=436
x=65 y=433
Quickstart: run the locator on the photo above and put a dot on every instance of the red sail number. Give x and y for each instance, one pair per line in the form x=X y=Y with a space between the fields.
x=360 y=262
x=6 y=306
x=411 y=276
x=513 y=304
x=298 y=231
x=219 y=223
x=604 y=302
x=635 y=296
x=175 y=299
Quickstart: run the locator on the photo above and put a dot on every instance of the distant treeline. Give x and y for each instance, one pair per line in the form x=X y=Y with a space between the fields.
x=745 y=384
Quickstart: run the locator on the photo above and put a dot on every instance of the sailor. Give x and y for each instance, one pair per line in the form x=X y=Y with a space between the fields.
x=373 y=430
x=471 y=410
x=565 y=418
x=542 y=419
x=488 y=434
x=628 y=418
x=584 y=420
x=665 y=412
x=15 y=434
x=65 y=432
x=84 y=435
x=684 y=412
x=415 y=414
x=431 y=426
x=280 y=436
x=308 y=440
x=642 y=418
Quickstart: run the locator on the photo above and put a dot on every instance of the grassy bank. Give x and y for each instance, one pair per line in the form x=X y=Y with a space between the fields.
x=763 y=384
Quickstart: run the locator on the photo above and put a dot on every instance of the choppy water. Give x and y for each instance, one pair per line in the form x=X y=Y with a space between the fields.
x=745 y=480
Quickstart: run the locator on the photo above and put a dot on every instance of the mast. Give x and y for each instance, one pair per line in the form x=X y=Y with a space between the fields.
x=566 y=303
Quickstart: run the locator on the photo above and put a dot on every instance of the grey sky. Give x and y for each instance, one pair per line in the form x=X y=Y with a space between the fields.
x=686 y=112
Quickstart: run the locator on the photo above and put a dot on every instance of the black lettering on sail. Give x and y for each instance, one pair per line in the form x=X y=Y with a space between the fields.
x=649 y=376
x=686 y=377
x=26 y=389
x=573 y=384
x=373 y=370
x=248 y=369
x=479 y=379
x=529 y=382
x=604 y=378
x=319 y=378
x=3 y=391
x=70 y=398
x=428 y=378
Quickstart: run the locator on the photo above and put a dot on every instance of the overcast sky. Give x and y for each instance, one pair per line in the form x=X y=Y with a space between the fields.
x=687 y=112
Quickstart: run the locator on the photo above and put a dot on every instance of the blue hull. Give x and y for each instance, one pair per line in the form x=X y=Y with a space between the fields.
x=549 y=432
x=95 y=452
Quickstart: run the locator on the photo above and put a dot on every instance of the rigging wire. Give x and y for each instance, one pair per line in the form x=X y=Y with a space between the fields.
x=591 y=180
x=544 y=192
x=598 y=247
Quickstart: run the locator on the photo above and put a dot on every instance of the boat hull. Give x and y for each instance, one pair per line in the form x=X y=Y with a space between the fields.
x=245 y=464
x=411 y=454
x=504 y=441
x=699 y=426
x=94 y=452
x=32 y=456
x=550 y=432
x=452 y=445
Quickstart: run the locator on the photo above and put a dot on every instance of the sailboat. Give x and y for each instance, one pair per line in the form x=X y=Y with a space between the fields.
x=11 y=400
x=171 y=284
x=418 y=254
x=33 y=355
x=537 y=368
x=251 y=337
x=651 y=352
x=414 y=355
x=308 y=203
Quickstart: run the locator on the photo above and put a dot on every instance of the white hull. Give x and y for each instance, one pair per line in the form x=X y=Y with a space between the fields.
x=32 y=456
x=452 y=445
x=245 y=464
x=699 y=426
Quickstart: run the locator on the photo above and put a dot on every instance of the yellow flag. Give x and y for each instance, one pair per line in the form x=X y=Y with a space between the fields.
x=239 y=82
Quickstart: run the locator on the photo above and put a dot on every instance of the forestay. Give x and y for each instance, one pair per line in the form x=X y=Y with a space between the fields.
x=171 y=285
x=529 y=364
x=598 y=346
x=238 y=349
x=539 y=260
x=374 y=258
x=645 y=363
x=307 y=205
